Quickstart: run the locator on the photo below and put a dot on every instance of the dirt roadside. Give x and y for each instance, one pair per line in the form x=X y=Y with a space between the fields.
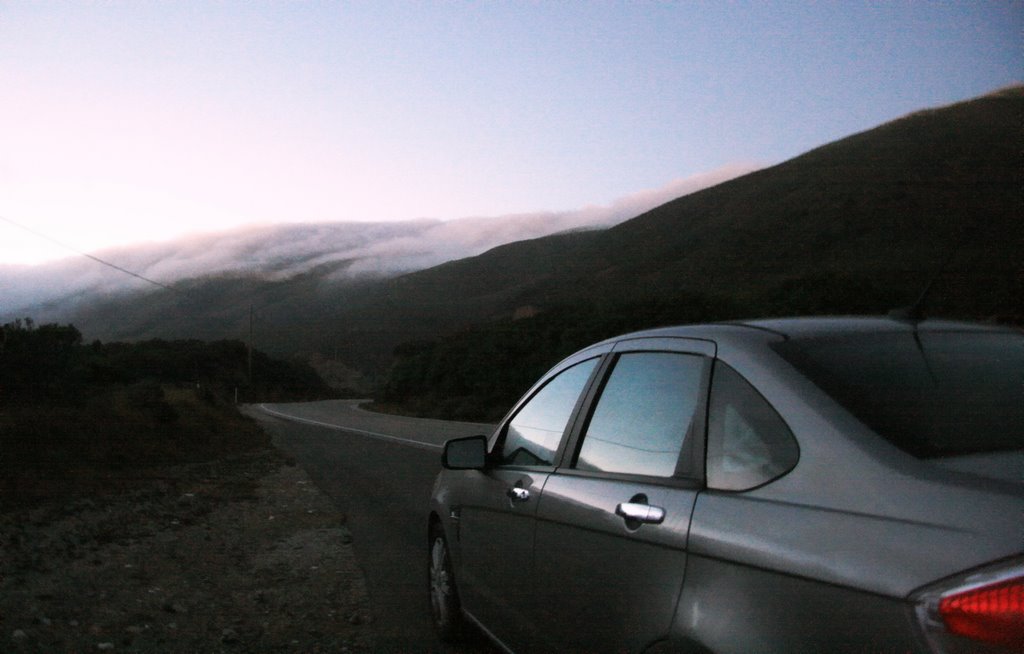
x=243 y=554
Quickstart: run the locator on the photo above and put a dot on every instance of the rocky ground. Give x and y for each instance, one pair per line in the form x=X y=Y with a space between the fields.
x=240 y=555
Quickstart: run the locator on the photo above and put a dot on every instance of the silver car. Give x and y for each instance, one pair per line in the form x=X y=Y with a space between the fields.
x=799 y=485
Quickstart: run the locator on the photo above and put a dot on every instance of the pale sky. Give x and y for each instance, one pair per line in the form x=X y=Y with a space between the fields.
x=129 y=121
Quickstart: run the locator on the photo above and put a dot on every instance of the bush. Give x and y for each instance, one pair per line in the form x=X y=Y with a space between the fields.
x=148 y=396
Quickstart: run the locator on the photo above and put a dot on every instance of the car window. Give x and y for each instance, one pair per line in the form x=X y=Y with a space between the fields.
x=748 y=442
x=534 y=433
x=644 y=415
x=930 y=393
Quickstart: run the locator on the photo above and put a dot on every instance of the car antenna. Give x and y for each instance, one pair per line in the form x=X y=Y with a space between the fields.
x=914 y=315
x=915 y=312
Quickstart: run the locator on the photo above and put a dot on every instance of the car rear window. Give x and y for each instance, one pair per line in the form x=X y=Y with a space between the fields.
x=930 y=393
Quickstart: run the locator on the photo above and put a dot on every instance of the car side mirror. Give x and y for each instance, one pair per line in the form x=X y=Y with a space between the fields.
x=468 y=453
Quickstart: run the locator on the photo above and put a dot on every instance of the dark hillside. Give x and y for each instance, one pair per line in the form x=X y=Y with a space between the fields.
x=883 y=208
x=858 y=225
x=474 y=290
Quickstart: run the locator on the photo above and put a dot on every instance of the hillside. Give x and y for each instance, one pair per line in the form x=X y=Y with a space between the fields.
x=858 y=225
x=861 y=224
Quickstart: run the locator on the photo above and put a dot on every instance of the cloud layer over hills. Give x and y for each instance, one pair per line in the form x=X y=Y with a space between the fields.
x=334 y=251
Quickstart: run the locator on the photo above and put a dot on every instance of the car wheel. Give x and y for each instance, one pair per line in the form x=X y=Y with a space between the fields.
x=444 y=598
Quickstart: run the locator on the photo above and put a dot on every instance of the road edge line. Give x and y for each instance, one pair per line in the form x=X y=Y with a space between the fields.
x=361 y=432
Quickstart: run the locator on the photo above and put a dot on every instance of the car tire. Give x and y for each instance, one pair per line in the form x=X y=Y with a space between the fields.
x=444 y=597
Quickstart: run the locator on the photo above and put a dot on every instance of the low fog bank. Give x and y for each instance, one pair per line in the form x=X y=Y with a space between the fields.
x=333 y=251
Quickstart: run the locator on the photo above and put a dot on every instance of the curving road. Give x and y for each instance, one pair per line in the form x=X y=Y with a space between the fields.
x=379 y=470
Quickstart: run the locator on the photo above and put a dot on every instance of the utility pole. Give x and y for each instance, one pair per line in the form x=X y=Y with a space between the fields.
x=250 y=345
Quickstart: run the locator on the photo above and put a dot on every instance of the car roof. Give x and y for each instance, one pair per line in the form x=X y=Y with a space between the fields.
x=811 y=327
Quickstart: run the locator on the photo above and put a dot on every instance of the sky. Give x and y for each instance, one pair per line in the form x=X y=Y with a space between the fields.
x=124 y=122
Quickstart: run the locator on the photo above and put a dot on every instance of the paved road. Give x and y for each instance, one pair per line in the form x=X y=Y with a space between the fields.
x=379 y=470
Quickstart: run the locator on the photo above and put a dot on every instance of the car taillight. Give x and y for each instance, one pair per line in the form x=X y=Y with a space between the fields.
x=992 y=613
x=981 y=610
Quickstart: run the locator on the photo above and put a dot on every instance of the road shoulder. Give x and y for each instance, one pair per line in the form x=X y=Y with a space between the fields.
x=241 y=553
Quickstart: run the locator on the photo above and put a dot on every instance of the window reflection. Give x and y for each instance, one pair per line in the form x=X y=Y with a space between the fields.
x=534 y=433
x=931 y=394
x=748 y=442
x=643 y=415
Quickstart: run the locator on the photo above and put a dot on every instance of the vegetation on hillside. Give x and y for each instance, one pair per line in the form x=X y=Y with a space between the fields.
x=77 y=416
x=478 y=373
x=52 y=362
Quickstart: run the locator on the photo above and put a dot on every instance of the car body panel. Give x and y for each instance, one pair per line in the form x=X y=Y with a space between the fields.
x=594 y=567
x=732 y=609
x=877 y=553
x=495 y=539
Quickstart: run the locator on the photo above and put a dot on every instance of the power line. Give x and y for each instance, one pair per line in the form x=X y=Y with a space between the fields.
x=87 y=255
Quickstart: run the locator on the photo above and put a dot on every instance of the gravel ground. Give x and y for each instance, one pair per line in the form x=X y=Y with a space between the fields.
x=239 y=555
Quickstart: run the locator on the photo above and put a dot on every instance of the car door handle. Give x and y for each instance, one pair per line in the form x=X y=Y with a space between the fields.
x=644 y=513
x=518 y=494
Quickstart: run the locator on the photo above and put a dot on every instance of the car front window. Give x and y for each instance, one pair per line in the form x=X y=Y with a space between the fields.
x=534 y=433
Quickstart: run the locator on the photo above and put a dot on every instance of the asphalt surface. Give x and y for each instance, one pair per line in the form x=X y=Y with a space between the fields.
x=379 y=470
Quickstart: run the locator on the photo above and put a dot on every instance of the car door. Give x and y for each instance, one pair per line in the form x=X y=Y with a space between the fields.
x=613 y=520
x=496 y=513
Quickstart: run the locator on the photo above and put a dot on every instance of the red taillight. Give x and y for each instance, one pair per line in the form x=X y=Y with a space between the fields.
x=993 y=613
